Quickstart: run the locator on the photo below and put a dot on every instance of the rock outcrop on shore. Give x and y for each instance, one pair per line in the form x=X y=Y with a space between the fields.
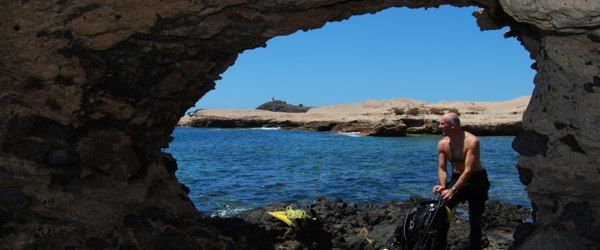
x=375 y=118
x=360 y=226
x=281 y=106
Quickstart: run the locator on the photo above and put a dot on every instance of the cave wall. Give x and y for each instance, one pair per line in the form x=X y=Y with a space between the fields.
x=90 y=92
x=560 y=148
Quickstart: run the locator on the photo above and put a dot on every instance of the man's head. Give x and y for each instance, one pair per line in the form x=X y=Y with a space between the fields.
x=449 y=123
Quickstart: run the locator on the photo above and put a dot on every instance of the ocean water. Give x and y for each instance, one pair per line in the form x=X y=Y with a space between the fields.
x=231 y=170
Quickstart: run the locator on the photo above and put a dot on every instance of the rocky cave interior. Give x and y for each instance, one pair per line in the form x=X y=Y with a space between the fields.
x=91 y=91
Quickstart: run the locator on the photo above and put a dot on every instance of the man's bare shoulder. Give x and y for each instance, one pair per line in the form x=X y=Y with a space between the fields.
x=445 y=139
x=443 y=142
x=471 y=139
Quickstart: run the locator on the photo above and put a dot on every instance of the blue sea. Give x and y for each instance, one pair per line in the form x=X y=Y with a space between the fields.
x=232 y=170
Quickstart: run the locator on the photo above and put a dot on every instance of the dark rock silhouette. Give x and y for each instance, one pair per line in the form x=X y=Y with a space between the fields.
x=281 y=106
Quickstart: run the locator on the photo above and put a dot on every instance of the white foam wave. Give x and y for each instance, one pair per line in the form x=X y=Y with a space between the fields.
x=267 y=128
x=351 y=134
x=227 y=212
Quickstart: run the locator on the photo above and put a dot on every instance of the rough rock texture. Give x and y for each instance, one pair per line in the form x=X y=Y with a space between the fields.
x=561 y=143
x=387 y=128
x=575 y=16
x=91 y=90
x=359 y=226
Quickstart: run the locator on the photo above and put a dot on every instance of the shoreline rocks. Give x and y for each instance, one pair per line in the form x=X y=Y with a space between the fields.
x=374 y=118
x=359 y=226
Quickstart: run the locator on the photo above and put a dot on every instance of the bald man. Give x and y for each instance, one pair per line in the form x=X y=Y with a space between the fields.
x=469 y=180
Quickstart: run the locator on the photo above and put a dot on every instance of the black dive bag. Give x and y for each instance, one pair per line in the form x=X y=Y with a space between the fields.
x=425 y=227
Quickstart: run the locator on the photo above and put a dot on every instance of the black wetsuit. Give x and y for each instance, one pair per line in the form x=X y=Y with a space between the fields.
x=475 y=191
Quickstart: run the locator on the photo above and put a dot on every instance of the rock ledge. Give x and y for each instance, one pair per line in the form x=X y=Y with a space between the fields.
x=375 y=118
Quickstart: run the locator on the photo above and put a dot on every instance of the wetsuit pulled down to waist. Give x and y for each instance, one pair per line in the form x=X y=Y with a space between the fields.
x=476 y=188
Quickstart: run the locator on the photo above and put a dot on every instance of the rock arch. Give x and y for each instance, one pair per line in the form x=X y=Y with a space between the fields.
x=90 y=92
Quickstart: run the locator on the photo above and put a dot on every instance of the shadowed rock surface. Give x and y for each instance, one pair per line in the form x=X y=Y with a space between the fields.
x=90 y=92
x=359 y=226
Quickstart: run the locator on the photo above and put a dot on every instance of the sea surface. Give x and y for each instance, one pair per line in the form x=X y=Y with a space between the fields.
x=231 y=170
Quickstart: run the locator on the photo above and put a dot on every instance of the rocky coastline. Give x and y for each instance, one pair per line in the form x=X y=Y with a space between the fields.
x=360 y=226
x=374 y=118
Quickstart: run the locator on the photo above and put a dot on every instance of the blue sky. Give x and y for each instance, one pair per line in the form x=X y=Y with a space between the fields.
x=429 y=55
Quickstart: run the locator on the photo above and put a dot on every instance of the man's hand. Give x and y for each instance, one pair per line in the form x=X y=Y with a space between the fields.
x=437 y=189
x=447 y=194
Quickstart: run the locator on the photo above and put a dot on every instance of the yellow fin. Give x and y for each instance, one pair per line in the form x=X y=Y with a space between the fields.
x=281 y=216
x=449 y=213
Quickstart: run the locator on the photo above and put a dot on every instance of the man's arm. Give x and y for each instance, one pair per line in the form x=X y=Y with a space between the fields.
x=442 y=168
x=442 y=172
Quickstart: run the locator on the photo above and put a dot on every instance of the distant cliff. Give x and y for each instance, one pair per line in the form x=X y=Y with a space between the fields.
x=375 y=118
x=281 y=106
